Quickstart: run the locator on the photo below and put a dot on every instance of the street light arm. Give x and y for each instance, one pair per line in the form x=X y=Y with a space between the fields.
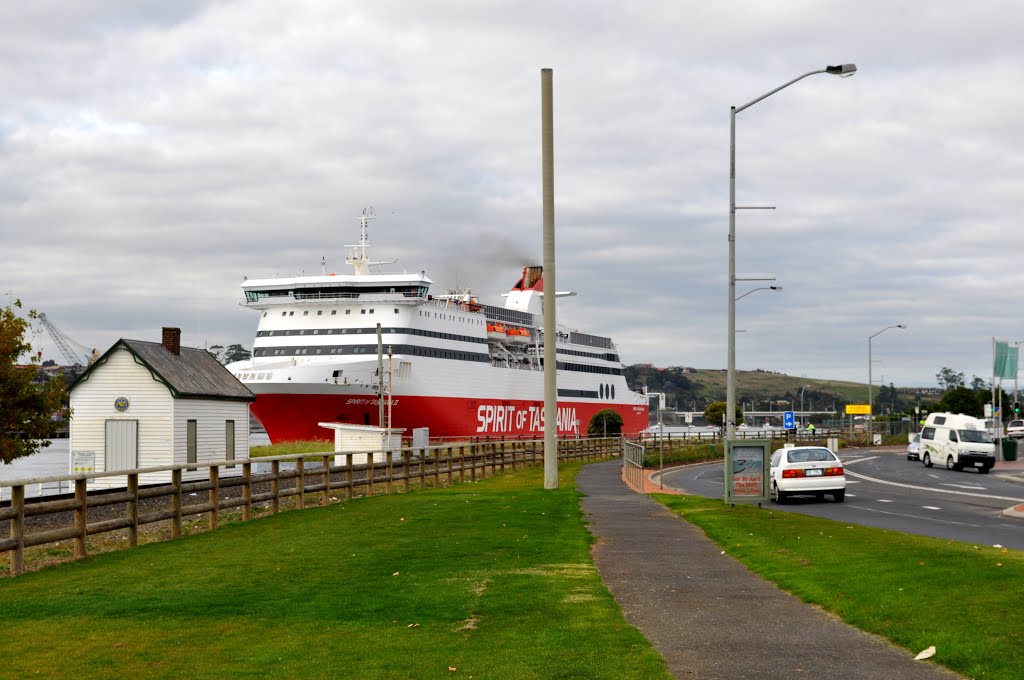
x=757 y=289
x=780 y=87
x=899 y=325
x=843 y=71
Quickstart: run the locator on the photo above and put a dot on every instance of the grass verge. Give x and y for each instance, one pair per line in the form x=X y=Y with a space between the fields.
x=292 y=448
x=915 y=591
x=485 y=580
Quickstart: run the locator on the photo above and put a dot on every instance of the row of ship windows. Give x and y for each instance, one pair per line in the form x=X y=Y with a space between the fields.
x=370 y=349
x=320 y=312
x=370 y=331
x=420 y=352
x=605 y=392
x=371 y=310
x=415 y=331
x=453 y=317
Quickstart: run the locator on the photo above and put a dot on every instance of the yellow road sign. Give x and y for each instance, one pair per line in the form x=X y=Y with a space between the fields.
x=858 y=409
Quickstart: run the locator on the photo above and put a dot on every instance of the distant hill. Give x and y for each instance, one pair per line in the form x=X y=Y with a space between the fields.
x=693 y=388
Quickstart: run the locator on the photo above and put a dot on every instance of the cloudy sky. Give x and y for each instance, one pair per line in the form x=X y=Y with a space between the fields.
x=153 y=153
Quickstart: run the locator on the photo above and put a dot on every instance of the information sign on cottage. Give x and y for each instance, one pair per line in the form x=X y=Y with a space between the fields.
x=83 y=462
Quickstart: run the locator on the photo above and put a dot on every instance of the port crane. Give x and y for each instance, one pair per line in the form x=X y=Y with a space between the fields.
x=75 y=353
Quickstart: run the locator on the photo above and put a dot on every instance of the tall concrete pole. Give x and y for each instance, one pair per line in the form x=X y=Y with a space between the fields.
x=550 y=330
x=380 y=377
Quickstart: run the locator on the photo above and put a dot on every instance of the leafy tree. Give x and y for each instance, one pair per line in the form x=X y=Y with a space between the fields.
x=26 y=406
x=605 y=422
x=236 y=353
x=232 y=353
x=716 y=409
x=979 y=384
x=960 y=400
x=948 y=378
x=216 y=351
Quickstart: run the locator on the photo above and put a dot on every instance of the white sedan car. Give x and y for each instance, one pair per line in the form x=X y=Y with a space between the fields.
x=807 y=471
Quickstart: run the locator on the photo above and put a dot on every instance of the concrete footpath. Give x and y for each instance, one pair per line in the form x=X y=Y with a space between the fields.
x=707 y=614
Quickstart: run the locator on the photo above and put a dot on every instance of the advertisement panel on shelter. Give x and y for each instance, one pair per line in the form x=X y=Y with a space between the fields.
x=746 y=471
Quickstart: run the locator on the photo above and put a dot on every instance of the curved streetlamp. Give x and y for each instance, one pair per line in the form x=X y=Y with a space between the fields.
x=778 y=288
x=871 y=415
x=844 y=71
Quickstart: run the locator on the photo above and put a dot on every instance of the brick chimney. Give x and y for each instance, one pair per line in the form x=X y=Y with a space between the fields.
x=172 y=340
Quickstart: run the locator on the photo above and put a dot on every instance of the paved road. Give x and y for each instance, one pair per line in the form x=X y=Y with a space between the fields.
x=707 y=614
x=886 y=490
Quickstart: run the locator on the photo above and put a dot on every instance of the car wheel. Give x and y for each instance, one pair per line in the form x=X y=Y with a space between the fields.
x=927 y=460
x=839 y=495
x=983 y=470
x=950 y=465
x=780 y=496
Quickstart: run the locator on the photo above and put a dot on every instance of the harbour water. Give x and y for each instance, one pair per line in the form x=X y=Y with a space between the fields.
x=54 y=461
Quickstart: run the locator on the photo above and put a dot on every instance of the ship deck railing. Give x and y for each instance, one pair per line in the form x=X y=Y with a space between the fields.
x=397 y=298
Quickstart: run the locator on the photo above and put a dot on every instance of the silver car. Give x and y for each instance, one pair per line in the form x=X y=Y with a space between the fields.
x=914 y=448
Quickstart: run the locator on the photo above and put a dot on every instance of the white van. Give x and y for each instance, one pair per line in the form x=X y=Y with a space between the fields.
x=958 y=442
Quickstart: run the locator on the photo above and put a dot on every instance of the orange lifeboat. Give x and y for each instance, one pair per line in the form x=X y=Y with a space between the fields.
x=518 y=336
x=495 y=332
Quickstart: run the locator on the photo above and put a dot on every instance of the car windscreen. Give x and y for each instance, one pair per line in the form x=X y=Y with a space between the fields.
x=975 y=436
x=810 y=456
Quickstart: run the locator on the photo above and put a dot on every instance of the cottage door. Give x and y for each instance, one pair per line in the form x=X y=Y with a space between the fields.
x=122 y=445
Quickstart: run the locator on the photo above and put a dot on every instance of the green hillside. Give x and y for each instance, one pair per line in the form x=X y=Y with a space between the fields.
x=693 y=389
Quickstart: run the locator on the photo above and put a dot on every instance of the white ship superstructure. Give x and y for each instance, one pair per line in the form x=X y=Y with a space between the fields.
x=450 y=363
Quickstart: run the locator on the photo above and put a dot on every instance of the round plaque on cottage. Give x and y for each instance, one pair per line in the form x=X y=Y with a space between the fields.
x=121 y=404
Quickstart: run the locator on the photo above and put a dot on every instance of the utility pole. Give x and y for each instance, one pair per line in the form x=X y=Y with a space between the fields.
x=550 y=328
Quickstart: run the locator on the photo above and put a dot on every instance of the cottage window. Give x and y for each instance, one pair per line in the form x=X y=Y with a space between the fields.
x=190 y=441
x=229 y=440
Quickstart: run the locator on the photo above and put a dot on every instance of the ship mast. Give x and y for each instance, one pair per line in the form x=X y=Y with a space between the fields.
x=357 y=256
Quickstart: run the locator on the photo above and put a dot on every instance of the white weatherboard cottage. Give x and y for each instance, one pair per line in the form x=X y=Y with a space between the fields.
x=148 y=404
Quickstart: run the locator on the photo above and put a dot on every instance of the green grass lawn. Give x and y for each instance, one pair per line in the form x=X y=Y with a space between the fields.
x=966 y=600
x=485 y=580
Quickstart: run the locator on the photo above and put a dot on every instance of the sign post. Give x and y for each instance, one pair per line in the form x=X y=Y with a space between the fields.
x=747 y=470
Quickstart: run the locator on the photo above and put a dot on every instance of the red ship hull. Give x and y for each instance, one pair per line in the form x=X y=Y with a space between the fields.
x=291 y=417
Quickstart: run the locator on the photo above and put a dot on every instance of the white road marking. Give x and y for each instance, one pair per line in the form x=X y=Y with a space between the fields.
x=965 y=486
x=884 y=500
x=929 y=488
x=859 y=460
x=930 y=507
x=925 y=517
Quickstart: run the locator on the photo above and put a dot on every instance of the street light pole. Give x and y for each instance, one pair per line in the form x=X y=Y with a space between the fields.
x=802 y=403
x=844 y=70
x=871 y=415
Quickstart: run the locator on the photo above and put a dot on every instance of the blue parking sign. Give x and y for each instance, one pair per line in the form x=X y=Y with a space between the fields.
x=788 y=420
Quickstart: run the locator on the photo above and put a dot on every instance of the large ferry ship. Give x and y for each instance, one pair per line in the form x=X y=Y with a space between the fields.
x=373 y=348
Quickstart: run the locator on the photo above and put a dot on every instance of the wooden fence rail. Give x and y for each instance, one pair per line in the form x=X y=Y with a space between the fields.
x=436 y=465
